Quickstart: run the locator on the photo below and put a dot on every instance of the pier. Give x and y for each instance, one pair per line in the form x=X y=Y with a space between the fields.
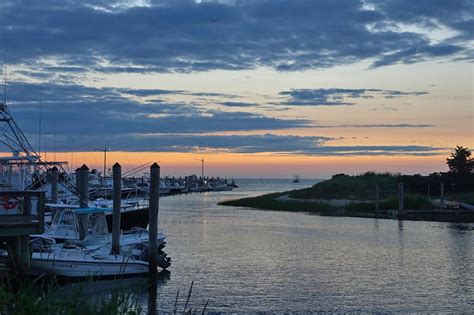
x=23 y=215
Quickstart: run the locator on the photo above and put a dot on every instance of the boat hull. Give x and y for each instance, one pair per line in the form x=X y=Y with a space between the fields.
x=72 y=268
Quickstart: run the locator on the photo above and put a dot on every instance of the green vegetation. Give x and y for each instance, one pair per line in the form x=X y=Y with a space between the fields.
x=460 y=161
x=345 y=195
x=46 y=295
x=354 y=209
x=43 y=296
x=343 y=186
x=270 y=202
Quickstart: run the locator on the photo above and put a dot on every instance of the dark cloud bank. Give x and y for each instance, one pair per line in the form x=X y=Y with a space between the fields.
x=337 y=96
x=78 y=118
x=183 y=35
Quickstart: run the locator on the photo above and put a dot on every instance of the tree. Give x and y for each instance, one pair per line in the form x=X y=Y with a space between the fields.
x=460 y=161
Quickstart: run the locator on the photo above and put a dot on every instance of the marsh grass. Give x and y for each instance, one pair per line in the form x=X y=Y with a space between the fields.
x=270 y=202
x=46 y=295
x=43 y=295
x=357 y=209
x=187 y=310
x=341 y=186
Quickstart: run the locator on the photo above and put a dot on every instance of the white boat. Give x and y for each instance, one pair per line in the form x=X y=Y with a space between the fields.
x=74 y=261
x=61 y=251
x=66 y=225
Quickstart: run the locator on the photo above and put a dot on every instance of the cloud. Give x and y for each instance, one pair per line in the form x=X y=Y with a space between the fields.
x=237 y=104
x=151 y=92
x=337 y=96
x=377 y=126
x=266 y=143
x=53 y=36
x=160 y=92
x=80 y=110
x=77 y=118
x=391 y=126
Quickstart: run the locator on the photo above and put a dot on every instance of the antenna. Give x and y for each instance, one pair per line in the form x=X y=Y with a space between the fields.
x=5 y=79
x=39 y=127
x=55 y=131
x=202 y=167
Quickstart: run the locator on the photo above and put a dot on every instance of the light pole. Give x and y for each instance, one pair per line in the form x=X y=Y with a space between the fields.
x=105 y=149
x=202 y=167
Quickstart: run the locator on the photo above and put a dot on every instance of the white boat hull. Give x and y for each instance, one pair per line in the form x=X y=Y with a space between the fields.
x=70 y=266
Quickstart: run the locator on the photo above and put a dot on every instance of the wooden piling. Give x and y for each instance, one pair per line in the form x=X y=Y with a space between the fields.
x=54 y=184
x=117 y=178
x=153 y=217
x=82 y=185
x=377 y=197
x=54 y=178
x=441 y=199
x=400 y=200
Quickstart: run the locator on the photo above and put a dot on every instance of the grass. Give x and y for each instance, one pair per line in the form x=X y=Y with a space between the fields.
x=44 y=296
x=356 y=209
x=342 y=186
x=269 y=202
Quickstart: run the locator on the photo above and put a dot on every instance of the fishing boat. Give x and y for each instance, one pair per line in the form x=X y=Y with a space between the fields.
x=76 y=261
x=78 y=244
x=68 y=222
x=296 y=179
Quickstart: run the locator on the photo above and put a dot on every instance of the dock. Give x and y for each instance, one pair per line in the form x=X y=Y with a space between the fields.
x=22 y=216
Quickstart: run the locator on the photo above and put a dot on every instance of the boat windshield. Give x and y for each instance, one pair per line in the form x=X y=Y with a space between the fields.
x=98 y=224
x=65 y=224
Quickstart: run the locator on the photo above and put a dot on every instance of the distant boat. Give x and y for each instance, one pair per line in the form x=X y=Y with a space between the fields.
x=233 y=184
x=296 y=179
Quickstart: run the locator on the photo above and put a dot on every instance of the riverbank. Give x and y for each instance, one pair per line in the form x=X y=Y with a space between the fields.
x=355 y=196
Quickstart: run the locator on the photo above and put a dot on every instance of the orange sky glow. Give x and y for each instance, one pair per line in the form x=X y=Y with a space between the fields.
x=255 y=165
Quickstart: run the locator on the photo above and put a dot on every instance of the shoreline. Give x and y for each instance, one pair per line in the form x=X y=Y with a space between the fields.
x=432 y=215
x=351 y=196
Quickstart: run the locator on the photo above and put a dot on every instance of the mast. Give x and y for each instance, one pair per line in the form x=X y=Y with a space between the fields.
x=39 y=127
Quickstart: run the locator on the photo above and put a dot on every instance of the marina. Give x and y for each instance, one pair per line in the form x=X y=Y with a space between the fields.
x=236 y=157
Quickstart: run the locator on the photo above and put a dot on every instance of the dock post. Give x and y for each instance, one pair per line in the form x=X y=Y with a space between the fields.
x=82 y=184
x=54 y=178
x=25 y=254
x=400 y=200
x=441 y=200
x=153 y=217
x=377 y=197
x=117 y=175
x=54 y=184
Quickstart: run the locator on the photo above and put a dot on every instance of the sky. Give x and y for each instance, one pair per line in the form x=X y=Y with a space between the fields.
x=256 y=88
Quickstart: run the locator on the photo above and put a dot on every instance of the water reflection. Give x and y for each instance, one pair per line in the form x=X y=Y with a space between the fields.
x=140 y=287
x=461 y=254
x=153 y=283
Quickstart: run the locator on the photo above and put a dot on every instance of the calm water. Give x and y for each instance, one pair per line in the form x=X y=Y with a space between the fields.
x=248 y=260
